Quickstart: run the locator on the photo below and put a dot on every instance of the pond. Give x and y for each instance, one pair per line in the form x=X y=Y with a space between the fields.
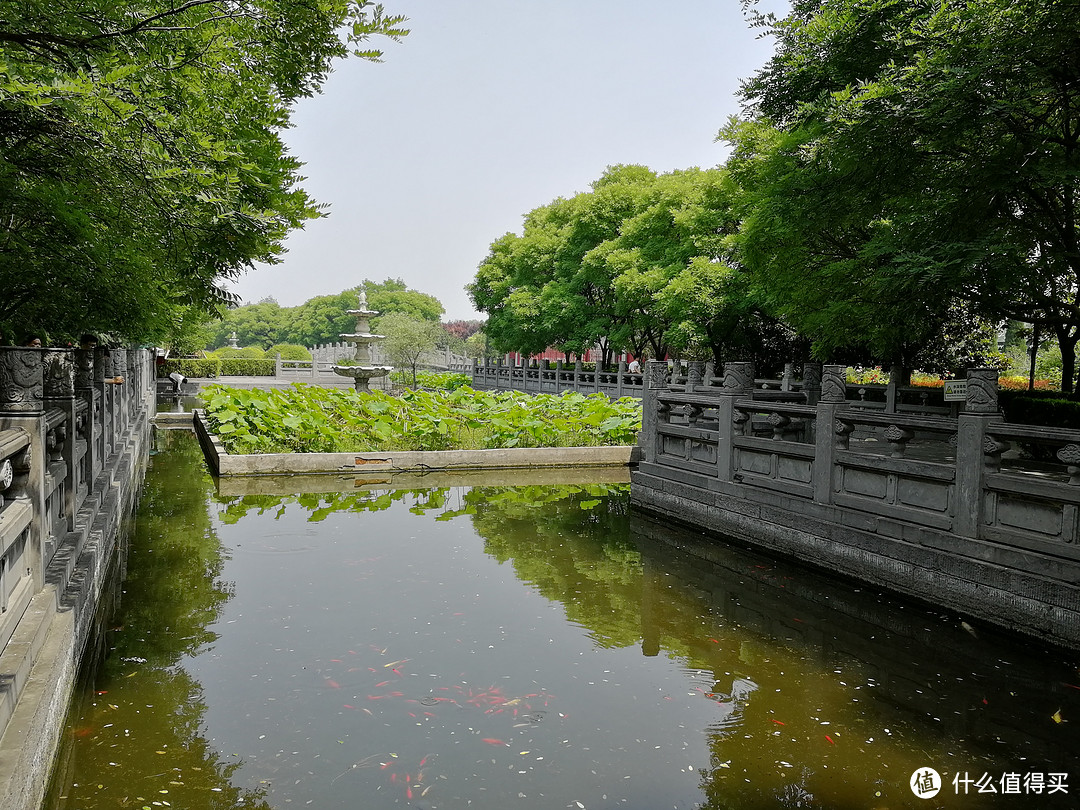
x=536 y=646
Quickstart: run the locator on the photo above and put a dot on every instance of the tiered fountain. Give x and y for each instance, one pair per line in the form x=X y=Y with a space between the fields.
x=362 y=371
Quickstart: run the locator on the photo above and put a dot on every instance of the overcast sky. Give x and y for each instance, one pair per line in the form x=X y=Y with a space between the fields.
x=488 y=109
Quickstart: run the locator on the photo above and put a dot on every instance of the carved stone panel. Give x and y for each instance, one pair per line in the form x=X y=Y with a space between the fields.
x=59 y=375
x=834 y=384
x=102 y=364
x=84 y=369
x=655 y=373
x=982 y=388
x=695 y=371
x=21 y=380
x=119 y=362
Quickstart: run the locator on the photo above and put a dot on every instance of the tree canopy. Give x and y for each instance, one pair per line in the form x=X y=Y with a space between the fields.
x=321 y=319
x=140 y=160
x=909 y=161
x=636 y=264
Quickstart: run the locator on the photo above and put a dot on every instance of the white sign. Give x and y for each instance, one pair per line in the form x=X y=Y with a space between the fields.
x=955 y=390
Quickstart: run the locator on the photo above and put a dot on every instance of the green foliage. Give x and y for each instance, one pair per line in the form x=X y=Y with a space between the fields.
x=445 y=380
x=205 y=367
x=476 y=345
x=407 y=338
x=909 y=156
x=140 y=158
x=307 y=419
x=289 y=351
x=322 y=319
x=640 y=263
x=247 y=367
x=1048 y=408
x=246 y=352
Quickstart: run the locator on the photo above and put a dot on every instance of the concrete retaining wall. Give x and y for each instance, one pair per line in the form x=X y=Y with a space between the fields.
x=224 y=464
x=968 y=512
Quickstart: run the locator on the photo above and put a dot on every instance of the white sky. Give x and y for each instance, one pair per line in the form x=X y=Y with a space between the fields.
x=488 y=109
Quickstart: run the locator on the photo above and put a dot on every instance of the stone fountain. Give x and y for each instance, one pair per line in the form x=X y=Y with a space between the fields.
x=362 y=371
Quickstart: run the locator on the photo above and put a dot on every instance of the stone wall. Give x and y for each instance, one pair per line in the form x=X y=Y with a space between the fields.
x=73 y=450
x=966 y=511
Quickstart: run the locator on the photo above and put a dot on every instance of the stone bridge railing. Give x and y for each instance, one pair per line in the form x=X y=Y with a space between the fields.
x=966 y=511
x=554 y=378
x=72 y=452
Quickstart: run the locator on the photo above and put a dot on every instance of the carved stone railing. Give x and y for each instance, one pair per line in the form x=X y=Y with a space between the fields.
x=66 y=437
x=555 y=378
x=980 y=491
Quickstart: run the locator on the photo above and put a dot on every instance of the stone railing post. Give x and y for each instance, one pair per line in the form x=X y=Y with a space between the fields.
x=59 y=390
x=22 y=384
x=695 y=373
x=973 y=446
x=277 y=363
x=577 y=373
x=620 y=378
x=830 y=434
x=811 y=375
x=655 y=381
x=90 y=426
x=738 y=384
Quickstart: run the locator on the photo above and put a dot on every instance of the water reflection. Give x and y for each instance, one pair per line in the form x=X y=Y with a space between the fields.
x=480 y=646
x=134 y=735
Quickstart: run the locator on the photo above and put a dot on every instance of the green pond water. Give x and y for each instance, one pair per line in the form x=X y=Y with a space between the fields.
x=528 y=647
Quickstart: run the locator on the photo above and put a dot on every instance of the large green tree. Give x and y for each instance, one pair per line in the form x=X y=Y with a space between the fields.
x=909 y=156
x=638 y=263
x=140 y=158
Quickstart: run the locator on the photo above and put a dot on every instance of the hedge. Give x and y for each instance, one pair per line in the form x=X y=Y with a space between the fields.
x=246 y=367
x=191 y=367
x=1046 y=408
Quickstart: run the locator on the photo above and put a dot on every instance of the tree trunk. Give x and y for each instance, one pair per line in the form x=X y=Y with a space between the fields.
x=1067 y=342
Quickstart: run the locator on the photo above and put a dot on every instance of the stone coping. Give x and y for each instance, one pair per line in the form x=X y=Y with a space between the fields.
x=322 y=483
x=380 y=464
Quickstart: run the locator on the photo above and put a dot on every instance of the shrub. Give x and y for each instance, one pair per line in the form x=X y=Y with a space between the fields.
x=289 y=351
x=1047 y=408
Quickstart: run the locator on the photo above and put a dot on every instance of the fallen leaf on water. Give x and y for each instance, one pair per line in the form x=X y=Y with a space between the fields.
x=1057 y=718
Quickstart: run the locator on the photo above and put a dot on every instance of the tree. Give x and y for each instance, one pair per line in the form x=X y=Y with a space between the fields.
x=931 y=154
x=140 y=161
x=393 y=295
x=642 y=262
x=548 y=287
x=476 y=345
x=407 y=338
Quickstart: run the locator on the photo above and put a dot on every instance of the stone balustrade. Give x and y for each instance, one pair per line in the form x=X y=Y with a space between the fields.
x=73 y=445
x=554 y=378
x=964 y=510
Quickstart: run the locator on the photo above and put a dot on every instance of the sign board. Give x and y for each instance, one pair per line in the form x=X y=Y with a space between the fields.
x=955 y=390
